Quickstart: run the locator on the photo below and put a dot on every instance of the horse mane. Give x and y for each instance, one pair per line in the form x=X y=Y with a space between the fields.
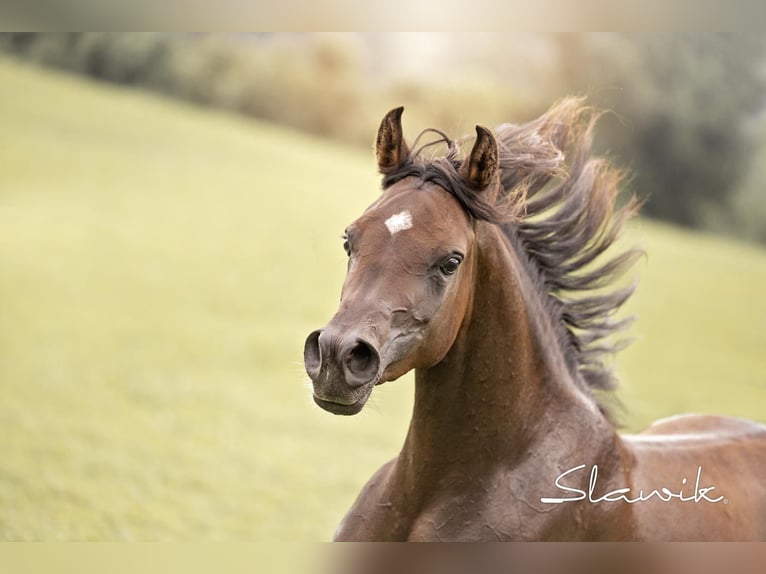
x=557 y=205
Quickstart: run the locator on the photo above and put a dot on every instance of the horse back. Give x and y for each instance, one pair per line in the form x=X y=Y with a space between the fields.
x=687 y=455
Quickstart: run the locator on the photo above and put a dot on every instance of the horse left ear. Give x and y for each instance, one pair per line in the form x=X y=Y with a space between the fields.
x=480 y=167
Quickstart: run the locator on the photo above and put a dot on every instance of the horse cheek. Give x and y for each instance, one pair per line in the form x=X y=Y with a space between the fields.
x=446 y=326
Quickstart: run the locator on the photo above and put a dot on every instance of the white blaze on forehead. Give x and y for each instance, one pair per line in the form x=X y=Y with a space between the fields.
x=399 y=222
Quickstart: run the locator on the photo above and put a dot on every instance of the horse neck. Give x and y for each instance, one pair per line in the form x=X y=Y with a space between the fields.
x=503 y=387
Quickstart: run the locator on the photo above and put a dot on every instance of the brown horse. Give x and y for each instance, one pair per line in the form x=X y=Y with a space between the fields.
x=486 y=276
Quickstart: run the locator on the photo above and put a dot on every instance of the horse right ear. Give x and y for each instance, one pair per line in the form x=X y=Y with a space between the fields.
x=390 y=147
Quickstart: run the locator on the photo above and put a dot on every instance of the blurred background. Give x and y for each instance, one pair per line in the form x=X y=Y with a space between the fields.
x=171 y=206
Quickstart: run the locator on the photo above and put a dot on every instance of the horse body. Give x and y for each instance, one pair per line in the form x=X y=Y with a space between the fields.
x=729 y=452
x=490 y=502
x=506 y=433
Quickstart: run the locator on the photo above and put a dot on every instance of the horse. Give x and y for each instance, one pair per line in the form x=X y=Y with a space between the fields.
x=491 y=276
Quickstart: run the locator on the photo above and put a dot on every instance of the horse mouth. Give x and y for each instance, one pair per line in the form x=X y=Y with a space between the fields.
x=342 y=408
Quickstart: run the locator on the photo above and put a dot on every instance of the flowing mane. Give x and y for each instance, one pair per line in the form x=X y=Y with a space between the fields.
x=556 y=205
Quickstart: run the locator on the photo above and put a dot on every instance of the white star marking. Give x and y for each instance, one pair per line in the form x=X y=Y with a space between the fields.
x=399 y=222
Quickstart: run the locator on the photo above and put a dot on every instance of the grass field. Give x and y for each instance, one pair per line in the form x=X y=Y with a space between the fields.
x=160 y=266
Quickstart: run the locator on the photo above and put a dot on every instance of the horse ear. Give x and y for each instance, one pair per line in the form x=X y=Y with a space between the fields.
x=390 y=147
x=479 y=168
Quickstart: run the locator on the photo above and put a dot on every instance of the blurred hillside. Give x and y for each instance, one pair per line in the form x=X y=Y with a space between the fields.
x=689 y=110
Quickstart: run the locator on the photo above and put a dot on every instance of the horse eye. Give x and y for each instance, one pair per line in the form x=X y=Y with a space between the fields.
x=450 y=265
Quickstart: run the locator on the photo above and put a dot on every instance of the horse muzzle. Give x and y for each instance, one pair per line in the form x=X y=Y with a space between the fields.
x=343 y=367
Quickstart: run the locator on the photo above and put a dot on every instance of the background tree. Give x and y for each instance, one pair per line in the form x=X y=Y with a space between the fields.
x=687 y=102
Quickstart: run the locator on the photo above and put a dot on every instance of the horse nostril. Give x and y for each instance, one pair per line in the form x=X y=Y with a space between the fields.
x=359 y=358
x=312 y=356
x=361 y=363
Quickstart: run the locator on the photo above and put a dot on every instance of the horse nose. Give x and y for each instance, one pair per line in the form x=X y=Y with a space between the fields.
x=327 y=352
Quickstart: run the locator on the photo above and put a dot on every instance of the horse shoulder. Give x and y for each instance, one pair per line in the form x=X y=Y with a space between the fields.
x=373 y=514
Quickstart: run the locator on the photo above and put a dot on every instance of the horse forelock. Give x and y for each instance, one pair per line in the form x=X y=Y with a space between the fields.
x=443 y=171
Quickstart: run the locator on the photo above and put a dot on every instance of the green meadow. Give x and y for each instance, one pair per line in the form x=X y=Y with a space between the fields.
x=160 y=267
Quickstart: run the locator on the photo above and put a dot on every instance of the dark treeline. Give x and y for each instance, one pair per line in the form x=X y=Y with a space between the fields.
x=693 y=108
x=689 y=110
